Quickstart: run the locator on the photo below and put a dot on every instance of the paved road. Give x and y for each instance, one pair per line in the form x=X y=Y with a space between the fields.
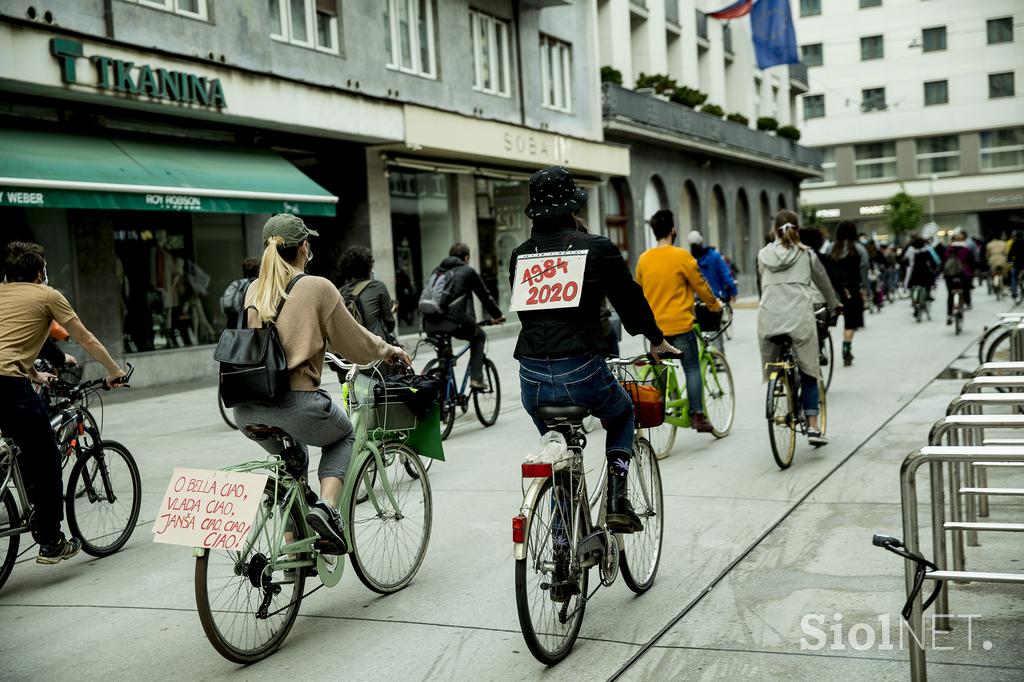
x=133 y=614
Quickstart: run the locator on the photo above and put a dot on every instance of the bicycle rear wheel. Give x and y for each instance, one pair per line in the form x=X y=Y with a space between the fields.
x=387 y=546
x=9 y=520
x=230 y=587
x=781 y=425
x=641 y=552
x=719 y=394
x=822 y=408
x=103 y=498
x=487 y=402
x=551 y=627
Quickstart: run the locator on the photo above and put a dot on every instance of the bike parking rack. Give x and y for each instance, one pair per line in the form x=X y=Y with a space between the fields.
x=935 y=457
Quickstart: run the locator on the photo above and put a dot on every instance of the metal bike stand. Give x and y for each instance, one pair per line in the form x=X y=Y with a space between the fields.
x=908 y=496
x=1013 y=367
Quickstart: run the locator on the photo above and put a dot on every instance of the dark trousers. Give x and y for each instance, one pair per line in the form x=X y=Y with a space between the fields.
x=953 y=283
x=24 y=417
x=473 y=333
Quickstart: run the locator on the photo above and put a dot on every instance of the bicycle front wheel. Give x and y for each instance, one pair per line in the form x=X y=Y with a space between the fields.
x=387 y=541
x=9 y=520
x=550 y=616
x=828 y=358
x=781 y=425
x=641 y=552
x=663 y=437
x=487 y=401
x=103 y=498
x=448 y=406
x=719 y=394
x=231 y=587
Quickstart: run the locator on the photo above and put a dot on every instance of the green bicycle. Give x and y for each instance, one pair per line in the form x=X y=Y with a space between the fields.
x=719 y=396
x=248 y=600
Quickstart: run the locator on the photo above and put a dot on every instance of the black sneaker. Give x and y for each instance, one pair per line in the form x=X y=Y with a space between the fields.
x=327 y=523
x=63 y=549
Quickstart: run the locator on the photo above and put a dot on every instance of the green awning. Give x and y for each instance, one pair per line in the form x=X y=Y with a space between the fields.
x=56 y=170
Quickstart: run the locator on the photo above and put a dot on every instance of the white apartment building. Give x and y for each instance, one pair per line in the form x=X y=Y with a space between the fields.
x=924 y=94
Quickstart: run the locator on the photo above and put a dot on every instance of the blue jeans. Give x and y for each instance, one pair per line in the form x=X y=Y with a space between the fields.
x=584 y=381
x=809 y=395
x=687 y=345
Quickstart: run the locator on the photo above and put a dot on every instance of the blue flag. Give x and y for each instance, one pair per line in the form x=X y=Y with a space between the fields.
x=771 y=26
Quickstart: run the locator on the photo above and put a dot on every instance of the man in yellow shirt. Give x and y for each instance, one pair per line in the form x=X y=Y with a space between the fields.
x=669 y=276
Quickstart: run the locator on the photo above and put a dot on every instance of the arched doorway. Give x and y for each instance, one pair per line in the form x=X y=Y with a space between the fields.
x=689 y=209
x=745 y=248
x=765 y=225
x=718 y=226
x=618 y=214
x=655 y=199
x=782 y=201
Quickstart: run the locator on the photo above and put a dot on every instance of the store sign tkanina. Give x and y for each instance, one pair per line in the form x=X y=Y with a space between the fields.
x=125 y=77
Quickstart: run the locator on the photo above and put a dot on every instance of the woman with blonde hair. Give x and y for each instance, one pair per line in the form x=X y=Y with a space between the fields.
x=791 y=277
x=309 y=313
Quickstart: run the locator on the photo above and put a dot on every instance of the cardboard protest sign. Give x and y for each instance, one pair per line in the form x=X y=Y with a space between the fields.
x=544 y=281
x=207 y=508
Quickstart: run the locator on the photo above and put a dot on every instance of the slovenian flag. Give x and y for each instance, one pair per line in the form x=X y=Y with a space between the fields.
x=734 y=10
x=771 y=28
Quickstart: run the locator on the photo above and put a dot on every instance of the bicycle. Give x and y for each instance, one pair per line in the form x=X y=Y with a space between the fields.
x=249 y=599
x=995 y=342
x=454 y=396
x=556 y=541
x=920 y=302
x=225 y=412
x=783 y=408
x=718 y=392
x=104 y=490
x=826 y=351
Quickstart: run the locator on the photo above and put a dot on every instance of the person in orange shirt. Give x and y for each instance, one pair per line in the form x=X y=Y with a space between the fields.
x=669 y=276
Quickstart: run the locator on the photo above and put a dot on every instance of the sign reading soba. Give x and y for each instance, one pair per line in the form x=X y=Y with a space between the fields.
x=206 y=508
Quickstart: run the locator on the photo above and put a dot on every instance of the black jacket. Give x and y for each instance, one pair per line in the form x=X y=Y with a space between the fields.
x=566 y=332
x=459 y=297
x=375 y=303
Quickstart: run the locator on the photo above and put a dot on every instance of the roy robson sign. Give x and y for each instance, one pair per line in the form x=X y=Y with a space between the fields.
x=129 y=78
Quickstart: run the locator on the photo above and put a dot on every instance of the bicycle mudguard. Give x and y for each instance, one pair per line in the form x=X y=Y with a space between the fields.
x=529 y=502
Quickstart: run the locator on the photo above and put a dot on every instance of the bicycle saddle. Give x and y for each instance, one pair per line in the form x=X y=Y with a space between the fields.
x=264 y=432
x=781 y=339
x=560 y=414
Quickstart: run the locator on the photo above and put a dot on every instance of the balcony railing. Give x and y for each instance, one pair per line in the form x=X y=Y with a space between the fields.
x=702 y=25
x=672 y=11
x=798 y=75
x=662 y=117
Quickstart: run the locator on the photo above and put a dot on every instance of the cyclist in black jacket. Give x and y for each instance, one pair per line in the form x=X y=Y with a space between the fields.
x=561 y=349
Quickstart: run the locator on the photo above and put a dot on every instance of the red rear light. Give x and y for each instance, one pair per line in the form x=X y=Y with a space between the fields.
x=536 y=469
x=519 y=528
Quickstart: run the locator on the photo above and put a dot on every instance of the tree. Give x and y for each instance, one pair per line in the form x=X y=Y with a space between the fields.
x=809 y=217
x=903 y=213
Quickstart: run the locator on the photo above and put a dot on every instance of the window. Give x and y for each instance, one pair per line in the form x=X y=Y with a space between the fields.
x=828 y=168
x=306 y=23
x=195 y=9
x=757 y=98
x=490 y=53
x=410 y=36
x=874 y=161
x=1000 y=85
x=871 y=47
x=556 y=73
x=1002 y=149
x=870 y=3
x=872 y=99
x=809 y=8
x=936 y=92
x=1000 y=30
x=939 y=155
x=814 y=106
x=933 y=39
x=811 y=55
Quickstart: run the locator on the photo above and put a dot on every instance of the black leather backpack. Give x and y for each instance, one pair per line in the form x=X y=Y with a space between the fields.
x=253 y=366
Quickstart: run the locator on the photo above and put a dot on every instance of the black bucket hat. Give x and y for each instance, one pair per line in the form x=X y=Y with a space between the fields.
x=553 y=192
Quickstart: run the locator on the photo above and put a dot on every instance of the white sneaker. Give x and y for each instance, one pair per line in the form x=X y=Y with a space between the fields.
x=816 y=438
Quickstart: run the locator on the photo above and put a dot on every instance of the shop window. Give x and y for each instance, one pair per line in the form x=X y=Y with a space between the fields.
x=490 y=53
x=501 y=227
x=1002 y=149
x=933 y=39
x=1000 y=85
x=556 y=73
x=828 y=168
x=874 y=161
x=871 y=47
x=195 y=9
x=812 y=55
x=872 y=99
x=809 y=8
x=938 y=155
x=870 y=3
x=936 y=92
x=814 y=106
x=306 y=23
x=409 y=31
x=1000 y=30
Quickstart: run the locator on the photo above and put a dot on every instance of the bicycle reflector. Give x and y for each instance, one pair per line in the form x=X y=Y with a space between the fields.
x=536 y=469
x=519 y=529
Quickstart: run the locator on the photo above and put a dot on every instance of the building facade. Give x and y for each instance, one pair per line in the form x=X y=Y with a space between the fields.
x=145 y=142
x=926 y=96
x=722 y=177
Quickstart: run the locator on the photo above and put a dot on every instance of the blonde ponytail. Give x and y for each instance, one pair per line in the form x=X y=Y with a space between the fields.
x=275 y=273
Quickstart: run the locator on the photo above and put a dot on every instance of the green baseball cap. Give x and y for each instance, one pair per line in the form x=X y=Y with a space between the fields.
x=289 y=227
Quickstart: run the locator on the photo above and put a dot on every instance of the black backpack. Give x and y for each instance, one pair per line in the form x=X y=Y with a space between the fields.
x=355 y=307
x=253 y=366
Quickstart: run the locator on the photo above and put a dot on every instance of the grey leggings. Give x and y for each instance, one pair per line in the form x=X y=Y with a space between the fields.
x=311 y=418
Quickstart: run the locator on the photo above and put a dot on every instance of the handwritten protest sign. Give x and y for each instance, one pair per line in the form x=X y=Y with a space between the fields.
x=206 y=508
x=544 y=281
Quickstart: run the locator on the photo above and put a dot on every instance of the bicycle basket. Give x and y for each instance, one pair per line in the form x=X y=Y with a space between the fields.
x=708 y=320
x=648 y=407
x=391 y=415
